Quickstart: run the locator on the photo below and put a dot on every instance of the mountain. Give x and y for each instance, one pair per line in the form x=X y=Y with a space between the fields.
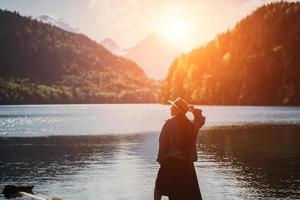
x=58 y=23
x=113 y=47
x=154 y=55
x=255 y=63
x=40 y=63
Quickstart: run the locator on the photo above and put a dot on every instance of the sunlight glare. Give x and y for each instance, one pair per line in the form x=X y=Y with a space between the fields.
x=175 y=29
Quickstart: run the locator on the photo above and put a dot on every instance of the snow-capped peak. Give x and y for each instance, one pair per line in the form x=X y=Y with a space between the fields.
x=58 y=23
x=113 y=47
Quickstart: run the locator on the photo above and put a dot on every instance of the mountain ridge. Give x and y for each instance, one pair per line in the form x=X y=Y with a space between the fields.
x=41 y=63
x=154 y=55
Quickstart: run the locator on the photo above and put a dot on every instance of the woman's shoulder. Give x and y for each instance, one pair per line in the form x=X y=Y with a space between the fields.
x=180 y=120
x=168 y=122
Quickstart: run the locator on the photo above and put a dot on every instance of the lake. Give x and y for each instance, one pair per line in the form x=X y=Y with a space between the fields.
x=109 y=151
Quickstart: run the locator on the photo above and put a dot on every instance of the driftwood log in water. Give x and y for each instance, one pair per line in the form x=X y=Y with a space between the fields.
x=12 y=191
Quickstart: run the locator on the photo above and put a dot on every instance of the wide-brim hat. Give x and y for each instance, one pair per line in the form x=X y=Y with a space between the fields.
x=181 y=104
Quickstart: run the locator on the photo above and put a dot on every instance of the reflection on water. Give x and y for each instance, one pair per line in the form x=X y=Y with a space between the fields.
x=252 y=162
x=81 y=167
x=234 y=163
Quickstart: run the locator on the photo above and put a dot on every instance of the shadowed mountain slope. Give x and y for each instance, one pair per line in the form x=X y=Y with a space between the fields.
x=40 y=63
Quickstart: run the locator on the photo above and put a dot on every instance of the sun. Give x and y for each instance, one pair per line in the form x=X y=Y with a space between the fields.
x=175 y=29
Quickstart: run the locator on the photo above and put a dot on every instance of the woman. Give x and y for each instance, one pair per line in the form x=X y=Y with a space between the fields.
x=176 y=177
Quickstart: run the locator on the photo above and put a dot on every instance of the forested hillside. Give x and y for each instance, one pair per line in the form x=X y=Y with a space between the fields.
x=40 y=63
x=257 y=62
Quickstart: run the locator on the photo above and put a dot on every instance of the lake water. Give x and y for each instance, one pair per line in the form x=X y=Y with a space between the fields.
x=109 y=151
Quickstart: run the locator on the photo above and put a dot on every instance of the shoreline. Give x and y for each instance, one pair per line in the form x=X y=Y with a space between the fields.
x=205 y=130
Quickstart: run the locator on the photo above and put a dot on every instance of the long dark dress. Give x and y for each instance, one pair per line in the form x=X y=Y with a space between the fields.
x=177 y=177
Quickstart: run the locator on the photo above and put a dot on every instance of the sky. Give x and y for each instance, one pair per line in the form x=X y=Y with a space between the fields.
x=185 y=23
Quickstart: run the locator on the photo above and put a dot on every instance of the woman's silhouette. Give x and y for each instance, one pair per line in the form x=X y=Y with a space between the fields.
x=177 y=153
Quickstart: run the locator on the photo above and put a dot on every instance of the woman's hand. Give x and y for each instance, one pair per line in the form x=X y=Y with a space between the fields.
x=199 y=119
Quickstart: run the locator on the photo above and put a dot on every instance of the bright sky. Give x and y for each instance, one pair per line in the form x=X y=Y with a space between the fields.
x=185 y=23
